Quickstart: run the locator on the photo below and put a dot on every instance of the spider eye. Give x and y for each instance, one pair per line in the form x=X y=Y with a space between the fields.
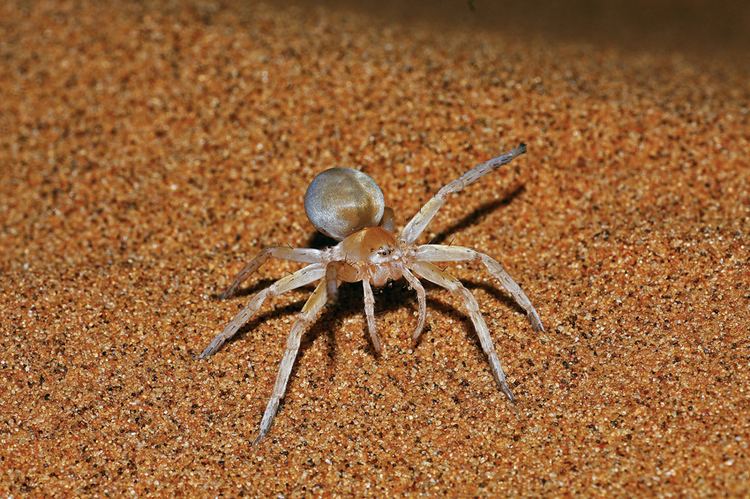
x=384 y=251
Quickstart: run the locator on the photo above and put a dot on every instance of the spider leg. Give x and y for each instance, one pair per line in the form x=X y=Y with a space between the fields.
x=304 y=276
x=370 y=313
x=421 y=220
x=443 y=253
x=447 y=281
x=304 y=255
x=421 y=298
x=309 y=312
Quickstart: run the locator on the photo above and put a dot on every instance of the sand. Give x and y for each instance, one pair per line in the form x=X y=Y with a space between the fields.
x=148 y=151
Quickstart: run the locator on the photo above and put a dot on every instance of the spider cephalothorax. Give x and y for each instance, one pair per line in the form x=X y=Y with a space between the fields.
x=348 y=206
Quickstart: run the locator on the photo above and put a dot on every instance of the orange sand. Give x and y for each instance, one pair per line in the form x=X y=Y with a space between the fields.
x=146 y=152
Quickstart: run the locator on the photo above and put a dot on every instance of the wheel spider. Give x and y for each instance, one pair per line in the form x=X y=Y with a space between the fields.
x=348 y=206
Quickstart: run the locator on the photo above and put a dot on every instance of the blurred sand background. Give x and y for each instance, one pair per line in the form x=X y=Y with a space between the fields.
x=148 y=149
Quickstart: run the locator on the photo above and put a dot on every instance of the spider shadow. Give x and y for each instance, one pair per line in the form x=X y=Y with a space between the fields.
x=318 y=240
x=276 y=312
x=350 y=302
x=495 y=293
x=246 y=291
x=461 y=314
x=479 y=214
x=390 y=298
x=397 y=294
x=333 y=315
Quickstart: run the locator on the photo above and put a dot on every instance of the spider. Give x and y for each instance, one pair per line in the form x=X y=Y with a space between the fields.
x=348 y=206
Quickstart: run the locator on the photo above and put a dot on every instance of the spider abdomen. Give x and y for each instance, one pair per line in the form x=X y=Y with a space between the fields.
x=341 y=201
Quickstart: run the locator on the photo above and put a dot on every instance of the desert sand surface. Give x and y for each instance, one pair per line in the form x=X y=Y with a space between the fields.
x=148 y=150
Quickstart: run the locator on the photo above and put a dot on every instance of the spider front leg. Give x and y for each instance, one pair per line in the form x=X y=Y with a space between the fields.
x=309 y=312
x=422 y=219
x=303 y=255
x=304 y=276
x=442 y=253
x=447 y=281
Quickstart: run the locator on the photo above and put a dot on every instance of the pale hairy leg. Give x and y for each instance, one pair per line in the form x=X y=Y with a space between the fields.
x=447 y=281
x=309 y=313
x=421 y=220
x=304 y=255
x=443 y=253
x=421 y=299
x=370 y=314
x=304 y=276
